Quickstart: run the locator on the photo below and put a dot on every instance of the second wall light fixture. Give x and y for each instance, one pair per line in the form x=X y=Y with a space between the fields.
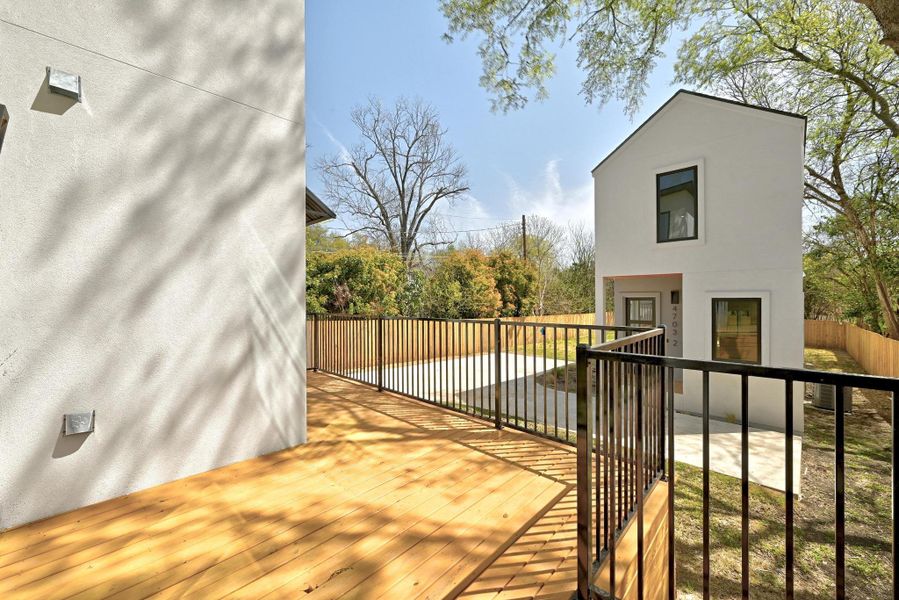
x=65 y=84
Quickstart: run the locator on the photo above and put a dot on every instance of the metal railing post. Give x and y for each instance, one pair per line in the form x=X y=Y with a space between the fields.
x=380 y=352
x=497 y=379
x=584 y=479
x=662 y=396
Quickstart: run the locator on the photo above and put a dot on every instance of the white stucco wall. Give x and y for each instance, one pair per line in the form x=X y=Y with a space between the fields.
x=750 y=184
x=151 y=244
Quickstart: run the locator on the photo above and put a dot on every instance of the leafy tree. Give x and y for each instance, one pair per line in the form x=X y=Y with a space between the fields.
x=391 y=181
x=320 y=239
x=619 y=41
x=822 y=58
x=462 y=286
x=545 y=242
x=816 y=57
x=359 y=280
x=515 y=282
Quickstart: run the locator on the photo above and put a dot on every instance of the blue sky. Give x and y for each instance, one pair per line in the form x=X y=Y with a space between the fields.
x=533 y=161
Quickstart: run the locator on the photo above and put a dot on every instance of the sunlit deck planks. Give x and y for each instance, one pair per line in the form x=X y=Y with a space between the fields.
x=390 y=498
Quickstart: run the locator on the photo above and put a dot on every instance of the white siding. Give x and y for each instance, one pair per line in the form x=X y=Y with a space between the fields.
x=152 y=244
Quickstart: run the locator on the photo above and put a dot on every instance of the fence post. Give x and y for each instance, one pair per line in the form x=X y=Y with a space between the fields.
x=497 y=385
x=315 y=342
x=380 y=352
x=584 y=482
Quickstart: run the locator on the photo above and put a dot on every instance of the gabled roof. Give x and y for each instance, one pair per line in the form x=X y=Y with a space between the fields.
x=678 y=94
x=316 y=210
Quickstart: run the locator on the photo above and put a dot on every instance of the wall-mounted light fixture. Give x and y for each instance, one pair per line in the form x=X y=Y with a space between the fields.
x=65 y=84
x=4 y=121
x=75 y=423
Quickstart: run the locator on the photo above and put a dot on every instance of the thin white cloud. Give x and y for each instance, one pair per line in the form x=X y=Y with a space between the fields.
x=550 y=199
x=341 y=147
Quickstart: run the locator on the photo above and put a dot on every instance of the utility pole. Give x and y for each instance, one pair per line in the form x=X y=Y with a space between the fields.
x=524 y=238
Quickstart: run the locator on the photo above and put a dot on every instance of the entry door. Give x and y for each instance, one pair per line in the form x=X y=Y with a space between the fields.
x=640 y=312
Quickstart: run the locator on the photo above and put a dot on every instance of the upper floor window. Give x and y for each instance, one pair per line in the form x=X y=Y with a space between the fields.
x=736 y=329
x=677 y=205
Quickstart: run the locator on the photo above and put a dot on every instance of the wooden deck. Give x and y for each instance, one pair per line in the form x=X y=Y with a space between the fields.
x=390 y=498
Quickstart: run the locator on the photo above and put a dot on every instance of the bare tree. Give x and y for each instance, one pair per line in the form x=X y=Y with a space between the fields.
x=390 y=182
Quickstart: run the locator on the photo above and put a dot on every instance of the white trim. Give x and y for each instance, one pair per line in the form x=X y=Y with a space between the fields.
x=699 y=163
x=765 y=329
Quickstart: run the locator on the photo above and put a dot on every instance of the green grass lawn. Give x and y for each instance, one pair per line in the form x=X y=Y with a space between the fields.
x=867 y=510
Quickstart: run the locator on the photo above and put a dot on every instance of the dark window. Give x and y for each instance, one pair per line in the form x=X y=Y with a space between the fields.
x=677 y=205
x=736 y=329
x=640 y=312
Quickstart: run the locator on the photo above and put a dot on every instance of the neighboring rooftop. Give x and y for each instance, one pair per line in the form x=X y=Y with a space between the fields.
x=316 y=210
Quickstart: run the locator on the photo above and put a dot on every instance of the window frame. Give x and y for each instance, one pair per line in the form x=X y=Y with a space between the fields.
x=655 y=308
x=692 y=167
x=758 y=341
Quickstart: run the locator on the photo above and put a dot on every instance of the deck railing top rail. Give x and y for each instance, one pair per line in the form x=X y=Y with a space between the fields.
x=872 y=382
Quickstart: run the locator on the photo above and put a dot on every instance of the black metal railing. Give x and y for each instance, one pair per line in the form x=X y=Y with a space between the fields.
x=517 y=374
x=636 y=374
x=621 y=446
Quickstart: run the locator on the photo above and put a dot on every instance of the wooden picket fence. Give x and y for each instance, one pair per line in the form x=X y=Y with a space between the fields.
x=876 y=354
x=355 y=341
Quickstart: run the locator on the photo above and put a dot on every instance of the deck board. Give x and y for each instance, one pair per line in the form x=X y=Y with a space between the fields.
x=390 y=498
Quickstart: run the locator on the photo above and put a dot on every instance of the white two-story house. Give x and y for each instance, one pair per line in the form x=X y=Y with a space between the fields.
x=699 y=227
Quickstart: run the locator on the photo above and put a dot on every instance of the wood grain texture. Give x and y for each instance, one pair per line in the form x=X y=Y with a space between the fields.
x=390 y=498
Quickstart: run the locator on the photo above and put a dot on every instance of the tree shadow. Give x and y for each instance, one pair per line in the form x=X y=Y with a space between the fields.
x=160 y=279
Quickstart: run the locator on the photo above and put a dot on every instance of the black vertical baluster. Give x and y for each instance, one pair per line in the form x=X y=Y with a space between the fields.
x=584 y=472
x=638 y=445
x=615 y=467
x=438 y=360
x=545 y=391
x=407 y=358
x=430 y=333
x=457 y=365
x=481 y=367
x=840 y=491
x=534 y=357
x=567 y=424
x=380 y=353
x=498 y=374
x=545 y=399
x=515 y=365
x=469 y=401
x=705 y=487
x=596 y=399
x=606 y=431
x=744 y=482
x=895 y=492
x=556 y=386
x=788 y=486
x=632 y=434
x=508 y=378
x=419 y=333
x=524 y=345
x=671 y=562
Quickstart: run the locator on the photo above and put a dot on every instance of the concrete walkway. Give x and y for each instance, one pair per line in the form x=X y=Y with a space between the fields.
x=468 y=382
x=766 y=451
